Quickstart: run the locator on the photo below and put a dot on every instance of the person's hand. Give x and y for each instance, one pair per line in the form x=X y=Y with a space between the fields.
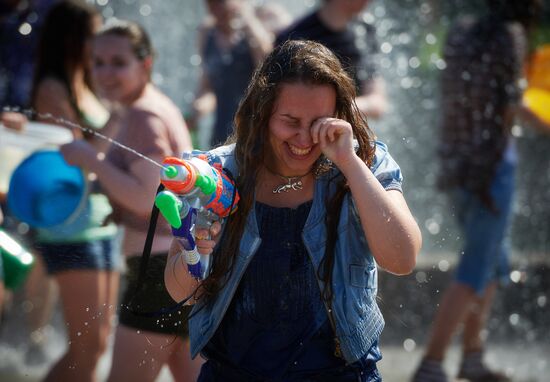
x=335 y=139
x=13 y=120
x=80 y=153
x=206 y=239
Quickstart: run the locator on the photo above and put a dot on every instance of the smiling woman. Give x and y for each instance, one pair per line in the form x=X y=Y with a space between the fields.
x=291 y=290
x=147 y=121
x=122 y=67
x=291 y=148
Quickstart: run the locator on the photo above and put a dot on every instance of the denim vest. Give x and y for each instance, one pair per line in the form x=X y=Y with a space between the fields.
x=356 y=315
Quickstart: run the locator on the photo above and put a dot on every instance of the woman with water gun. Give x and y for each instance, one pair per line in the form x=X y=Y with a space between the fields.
x=290 y=291
x=151 y=125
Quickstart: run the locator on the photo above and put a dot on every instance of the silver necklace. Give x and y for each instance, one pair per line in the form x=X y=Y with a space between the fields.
x=293 y=183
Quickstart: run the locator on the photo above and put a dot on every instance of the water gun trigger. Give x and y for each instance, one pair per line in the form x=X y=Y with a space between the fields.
x=170 y=207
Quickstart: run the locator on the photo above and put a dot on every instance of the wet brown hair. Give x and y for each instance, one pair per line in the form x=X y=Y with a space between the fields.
x=304 y=62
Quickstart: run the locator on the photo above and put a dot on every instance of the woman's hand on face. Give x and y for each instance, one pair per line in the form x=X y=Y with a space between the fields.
x=79 y=153
x=206 y=239
x=335 y=139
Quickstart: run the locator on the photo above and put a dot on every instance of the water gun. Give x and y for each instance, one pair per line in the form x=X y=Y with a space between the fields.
x=196 y=194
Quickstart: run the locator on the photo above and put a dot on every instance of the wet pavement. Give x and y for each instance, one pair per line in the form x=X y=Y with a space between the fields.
x=522 y=362
x=518 y=331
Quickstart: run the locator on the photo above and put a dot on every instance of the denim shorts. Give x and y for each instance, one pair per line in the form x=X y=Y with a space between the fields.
x=484 y=256
x=98 y=254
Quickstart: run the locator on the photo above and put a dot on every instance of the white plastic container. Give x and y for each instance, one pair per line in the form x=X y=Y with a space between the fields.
x=17 y=145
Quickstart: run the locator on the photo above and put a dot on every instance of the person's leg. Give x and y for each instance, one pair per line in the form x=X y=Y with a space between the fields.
x=109 y=307
x=84 y=298
x=181 y=365
x=41 y=293
x=476 y=319
x=473 y=271
x=138 y=356
x=473 y=367
x=452 y=311
x=111 y=263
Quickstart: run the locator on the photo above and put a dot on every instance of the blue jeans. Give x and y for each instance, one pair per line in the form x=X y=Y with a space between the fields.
x=484 y=257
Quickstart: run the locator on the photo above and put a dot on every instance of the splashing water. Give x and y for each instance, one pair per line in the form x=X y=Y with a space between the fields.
x=63 y=122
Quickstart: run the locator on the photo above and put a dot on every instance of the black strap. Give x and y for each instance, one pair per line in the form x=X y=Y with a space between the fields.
x=146 y=254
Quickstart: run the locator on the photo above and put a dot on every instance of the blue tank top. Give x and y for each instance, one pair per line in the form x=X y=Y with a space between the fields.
x=277 y=326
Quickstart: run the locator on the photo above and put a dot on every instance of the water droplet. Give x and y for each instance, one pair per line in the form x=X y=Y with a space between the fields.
x=195 y=60
x=440 y=64
x=25 y=29
x=515 y=276
x=145 y=10
x=433 y=226
x=431 y=39
x=386 y=47
x=409 y=345
x=421 y=277
x=414 y=62
x=443 y=265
